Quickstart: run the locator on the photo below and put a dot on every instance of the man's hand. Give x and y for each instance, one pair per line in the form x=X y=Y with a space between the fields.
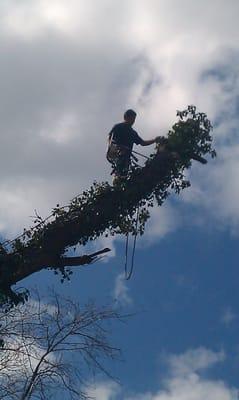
x=161 y=140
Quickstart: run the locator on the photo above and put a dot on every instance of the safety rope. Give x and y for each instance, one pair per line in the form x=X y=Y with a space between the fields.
x=140 y=154
x=25 y=233
x=129 y=273
x=132 y=151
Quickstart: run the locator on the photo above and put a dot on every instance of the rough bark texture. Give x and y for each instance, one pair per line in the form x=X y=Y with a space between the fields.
x=73 y=227
x=105 y=209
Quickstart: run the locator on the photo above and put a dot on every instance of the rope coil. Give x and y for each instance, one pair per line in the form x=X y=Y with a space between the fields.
x=128 y=273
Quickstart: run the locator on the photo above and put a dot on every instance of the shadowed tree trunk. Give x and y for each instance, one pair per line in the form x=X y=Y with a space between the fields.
x=104 y=209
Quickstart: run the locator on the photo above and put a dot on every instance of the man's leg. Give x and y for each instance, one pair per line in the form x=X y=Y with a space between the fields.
x=121 y=168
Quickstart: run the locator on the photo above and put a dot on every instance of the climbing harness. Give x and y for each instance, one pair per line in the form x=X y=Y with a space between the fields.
x=115 y=149
x=122 y=158
x=128 y=273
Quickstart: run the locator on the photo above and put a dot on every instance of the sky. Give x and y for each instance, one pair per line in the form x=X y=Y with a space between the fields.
x=68 y=71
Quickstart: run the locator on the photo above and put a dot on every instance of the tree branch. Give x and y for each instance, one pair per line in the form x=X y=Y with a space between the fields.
x=106 y=209
x=82 y=260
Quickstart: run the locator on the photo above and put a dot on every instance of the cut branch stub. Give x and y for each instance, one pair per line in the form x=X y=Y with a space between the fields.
x=107 y=210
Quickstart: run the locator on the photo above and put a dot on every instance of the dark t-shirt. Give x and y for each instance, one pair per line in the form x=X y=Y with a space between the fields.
x=123 y=134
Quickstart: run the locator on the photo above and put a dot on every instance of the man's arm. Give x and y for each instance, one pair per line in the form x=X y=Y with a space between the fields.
x=147 y=142
x=159 y=139
x=142 y=142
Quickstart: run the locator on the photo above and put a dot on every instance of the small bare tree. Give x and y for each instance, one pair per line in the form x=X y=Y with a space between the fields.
x=49 y=348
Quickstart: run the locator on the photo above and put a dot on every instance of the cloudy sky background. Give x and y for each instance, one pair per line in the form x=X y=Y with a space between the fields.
x=68 y=70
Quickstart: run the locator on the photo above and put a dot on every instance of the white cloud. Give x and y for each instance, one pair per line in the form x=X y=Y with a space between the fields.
x=67 y=76
x=106 y=242
x=31 y=20
x=163 y=220
x=121 y=291
x=193 y=361
x=62 y=130
x=216 y=192
x=104 y=391
x=184 y=380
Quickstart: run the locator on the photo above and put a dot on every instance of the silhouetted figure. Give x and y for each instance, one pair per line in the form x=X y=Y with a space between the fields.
x=122 y=137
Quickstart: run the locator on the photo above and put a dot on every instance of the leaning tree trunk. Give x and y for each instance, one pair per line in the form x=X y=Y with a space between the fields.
x=105 y=209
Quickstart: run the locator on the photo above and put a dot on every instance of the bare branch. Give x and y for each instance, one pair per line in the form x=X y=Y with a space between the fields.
x=41 y=343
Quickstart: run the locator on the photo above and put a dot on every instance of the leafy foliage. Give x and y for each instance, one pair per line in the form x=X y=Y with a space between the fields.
x=107 y=210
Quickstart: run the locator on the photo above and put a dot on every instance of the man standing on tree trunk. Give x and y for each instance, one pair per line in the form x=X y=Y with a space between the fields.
x=122 y=137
